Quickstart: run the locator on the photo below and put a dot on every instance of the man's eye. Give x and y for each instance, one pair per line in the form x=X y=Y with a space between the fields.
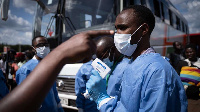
x=123 y=28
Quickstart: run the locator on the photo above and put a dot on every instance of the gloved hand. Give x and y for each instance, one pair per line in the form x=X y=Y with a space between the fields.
x=96 y=87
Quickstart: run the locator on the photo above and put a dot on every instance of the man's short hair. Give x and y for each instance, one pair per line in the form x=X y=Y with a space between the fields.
x=144 y=15
x=33 y=40
x=191 y=45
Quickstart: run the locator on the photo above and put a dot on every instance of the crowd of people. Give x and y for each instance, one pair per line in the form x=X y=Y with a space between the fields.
x=140 y=79
x=10 y=62
x=185 y=61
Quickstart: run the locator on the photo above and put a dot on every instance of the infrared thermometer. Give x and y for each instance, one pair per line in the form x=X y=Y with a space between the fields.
x=101 y=68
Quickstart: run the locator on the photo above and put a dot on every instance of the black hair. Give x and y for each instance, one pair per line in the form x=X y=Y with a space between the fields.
x=174 y=44
x=144 y=15
x=191 y=45
x=108 y=41
x=33 y=40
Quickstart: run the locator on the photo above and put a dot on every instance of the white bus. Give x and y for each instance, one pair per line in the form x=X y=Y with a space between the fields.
x=59 y=20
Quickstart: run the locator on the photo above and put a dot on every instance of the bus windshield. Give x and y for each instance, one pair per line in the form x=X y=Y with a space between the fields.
x=54 y=17
x=88 y=13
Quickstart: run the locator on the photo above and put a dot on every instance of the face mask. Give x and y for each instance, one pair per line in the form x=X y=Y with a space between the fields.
x=108 y=62
x=122 y=43
x=42 y=51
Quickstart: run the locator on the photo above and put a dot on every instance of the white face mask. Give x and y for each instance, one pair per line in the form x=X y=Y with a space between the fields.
x=122 y=43
x=42 y=51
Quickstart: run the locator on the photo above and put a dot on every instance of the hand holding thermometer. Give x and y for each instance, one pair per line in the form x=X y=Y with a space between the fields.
x=102 y=69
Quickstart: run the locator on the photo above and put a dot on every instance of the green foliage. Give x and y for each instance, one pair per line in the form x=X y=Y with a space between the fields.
x=16 y=47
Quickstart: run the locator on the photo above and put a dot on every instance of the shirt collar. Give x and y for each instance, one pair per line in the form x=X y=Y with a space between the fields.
x=149 y=50
x=34 y=57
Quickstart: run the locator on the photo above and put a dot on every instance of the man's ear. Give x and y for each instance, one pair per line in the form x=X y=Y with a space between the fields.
x=145 y=29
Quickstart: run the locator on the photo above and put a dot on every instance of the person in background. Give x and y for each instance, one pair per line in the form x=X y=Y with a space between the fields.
x=41 y=46
x=106 y=52
x=78 y=48
x=3 y=87
x=29 y=55
x=191 y=58
x=14 y=68
x=9 y=62
x=3 y=65
x=177 y=55
x=149 y=83
x=1 y=60
x=189 y=70
x=21 y=58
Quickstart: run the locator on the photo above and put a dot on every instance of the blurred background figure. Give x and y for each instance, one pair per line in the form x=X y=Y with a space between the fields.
x=29 y=55
x=9 y=60
x=3 y=65
x=177 y=55
x=191 y=58
x=189 y=71
x=3 y=87
x=21 y=59
x=14 y=68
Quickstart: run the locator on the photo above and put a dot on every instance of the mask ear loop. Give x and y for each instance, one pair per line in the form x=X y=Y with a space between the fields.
x=135 y=32
x=35 y=50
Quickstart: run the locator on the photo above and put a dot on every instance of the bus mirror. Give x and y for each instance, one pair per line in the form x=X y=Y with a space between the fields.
x=4 y=9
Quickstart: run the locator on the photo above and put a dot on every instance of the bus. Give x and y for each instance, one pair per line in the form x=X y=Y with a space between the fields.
x=58 y=20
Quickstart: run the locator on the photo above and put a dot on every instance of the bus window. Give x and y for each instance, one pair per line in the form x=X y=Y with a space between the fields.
x=174 y=20
x=156 y=8
x=150 y=5
x=186 y=29
x=183 y=26
x=127 y=3
x=166 y=13
x=48 y=25
x=137 y=2
x=162 y=11
x=85 y=14
x=178 y=27
x=170 y=17
x=143 y=2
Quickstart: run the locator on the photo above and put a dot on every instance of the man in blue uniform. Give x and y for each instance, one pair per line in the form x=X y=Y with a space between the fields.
x=109 y=55
x=3 y=87
x=149 y=82
x=51 y=102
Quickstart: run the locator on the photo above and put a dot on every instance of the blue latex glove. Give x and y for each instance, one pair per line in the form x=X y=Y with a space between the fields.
x=96 y=87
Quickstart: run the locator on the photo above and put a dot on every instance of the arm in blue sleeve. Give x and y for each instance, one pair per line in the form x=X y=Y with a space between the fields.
x=21 y=75
x=80 y=85
x=3 y=88
x=79 y=89
x=60 y=109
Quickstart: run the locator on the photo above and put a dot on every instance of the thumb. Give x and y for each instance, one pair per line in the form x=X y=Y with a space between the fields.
x=95 y=73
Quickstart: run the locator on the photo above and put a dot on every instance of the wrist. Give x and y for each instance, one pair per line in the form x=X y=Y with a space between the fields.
x=104 y=101
x=101 y=98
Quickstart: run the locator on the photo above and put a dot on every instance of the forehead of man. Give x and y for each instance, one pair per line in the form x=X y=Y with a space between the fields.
x=40 y=40
x=126 y=17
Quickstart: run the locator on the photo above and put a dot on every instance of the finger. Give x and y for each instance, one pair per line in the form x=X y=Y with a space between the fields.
x=96 y=33
x=95 y=73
